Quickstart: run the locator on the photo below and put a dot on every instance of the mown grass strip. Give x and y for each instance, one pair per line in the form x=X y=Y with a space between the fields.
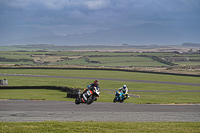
x=104 y=74
x=100 y=127
x=145 y=97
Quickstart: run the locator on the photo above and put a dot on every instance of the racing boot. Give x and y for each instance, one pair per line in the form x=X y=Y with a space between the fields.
x=127 y=96
x=95 y=98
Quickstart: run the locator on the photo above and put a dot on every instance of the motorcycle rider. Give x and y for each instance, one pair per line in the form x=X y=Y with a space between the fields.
x=90 y=90
x=124 y=90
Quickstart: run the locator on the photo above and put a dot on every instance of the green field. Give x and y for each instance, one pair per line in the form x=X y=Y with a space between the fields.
x=106 y=96
x=188 y=63
x=99 y=127
x=104 y=74
x=94 y=58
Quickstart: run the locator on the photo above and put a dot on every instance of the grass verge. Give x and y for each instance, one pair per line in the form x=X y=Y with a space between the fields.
x=145 y=97
x=100 y=127
x=104 y=74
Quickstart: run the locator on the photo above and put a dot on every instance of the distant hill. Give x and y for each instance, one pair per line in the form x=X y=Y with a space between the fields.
x=145 y=34
x=191 y=44
x=12 y=34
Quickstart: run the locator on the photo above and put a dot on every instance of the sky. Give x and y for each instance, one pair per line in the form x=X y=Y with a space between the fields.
x=65 y=17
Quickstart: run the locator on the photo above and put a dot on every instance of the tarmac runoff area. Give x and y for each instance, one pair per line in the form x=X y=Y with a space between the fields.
x=29 y=110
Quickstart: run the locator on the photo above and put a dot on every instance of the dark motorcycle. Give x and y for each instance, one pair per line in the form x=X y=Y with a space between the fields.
x=91 y=98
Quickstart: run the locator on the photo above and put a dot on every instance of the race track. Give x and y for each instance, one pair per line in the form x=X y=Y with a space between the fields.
x=109 y=79
x=27 y=110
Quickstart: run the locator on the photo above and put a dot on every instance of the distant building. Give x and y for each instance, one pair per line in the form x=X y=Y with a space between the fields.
x=190 y=51
x=125 y=44
x=175 y=52
x=191 y=44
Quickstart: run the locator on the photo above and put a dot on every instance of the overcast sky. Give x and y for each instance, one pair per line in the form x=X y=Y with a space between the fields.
x=82 y=16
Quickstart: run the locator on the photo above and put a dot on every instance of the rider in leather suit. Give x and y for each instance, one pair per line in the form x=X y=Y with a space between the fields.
x=87 y=92
x=124 y=90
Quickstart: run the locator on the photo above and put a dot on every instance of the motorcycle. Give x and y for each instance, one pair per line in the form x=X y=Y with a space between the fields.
x=120 y=97
x=91 y=98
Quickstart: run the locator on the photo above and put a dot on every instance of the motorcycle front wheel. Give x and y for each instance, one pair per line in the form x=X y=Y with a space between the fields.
x=91 y=99
x=115 y=100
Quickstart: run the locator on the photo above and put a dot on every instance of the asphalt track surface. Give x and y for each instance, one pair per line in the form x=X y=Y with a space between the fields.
x=28 y=110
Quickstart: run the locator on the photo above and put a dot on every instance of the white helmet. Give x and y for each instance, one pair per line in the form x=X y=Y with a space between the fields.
x=124 y=87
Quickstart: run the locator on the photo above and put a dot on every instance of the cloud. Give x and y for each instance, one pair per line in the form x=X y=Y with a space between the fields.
x=102 y=14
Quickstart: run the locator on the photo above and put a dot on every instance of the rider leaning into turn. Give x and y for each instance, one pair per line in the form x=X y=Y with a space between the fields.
x=124 y=90
x=89 y=91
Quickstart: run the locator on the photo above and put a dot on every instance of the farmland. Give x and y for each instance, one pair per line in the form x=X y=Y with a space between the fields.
x=148 y=58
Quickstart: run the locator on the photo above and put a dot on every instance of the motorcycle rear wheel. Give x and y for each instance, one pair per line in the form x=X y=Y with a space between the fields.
x=121 y=101
x=77 y=101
